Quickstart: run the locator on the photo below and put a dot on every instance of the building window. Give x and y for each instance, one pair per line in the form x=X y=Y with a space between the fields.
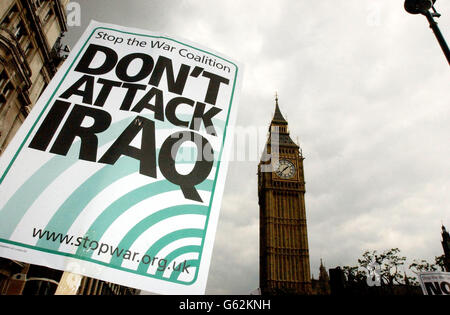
x=2 y=101
x=20 y=31
x=38 y=3
x=28 y=49
x=5 y=87
x=9 y=16
x=48 y=15
x=3 y=78
x=7 y=90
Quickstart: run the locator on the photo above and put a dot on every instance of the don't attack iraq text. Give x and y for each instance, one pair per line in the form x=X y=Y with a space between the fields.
x=98 y=107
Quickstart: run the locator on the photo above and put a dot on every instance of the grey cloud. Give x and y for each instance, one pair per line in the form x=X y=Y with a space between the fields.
x=364 y=86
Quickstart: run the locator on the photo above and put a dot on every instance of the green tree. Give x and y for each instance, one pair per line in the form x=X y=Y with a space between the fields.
x=421 y=266
x=388 y=263
x=440 y=262
x=353 y=274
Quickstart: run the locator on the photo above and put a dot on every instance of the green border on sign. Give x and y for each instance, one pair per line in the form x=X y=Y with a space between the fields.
x=215 y=178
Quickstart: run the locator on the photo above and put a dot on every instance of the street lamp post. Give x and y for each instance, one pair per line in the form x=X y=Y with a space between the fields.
x=423 y=7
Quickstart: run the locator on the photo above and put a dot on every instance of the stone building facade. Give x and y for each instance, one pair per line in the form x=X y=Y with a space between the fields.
x=29 y=57
x=30 y=54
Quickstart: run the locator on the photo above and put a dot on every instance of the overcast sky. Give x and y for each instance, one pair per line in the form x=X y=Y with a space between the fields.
x=365 y=89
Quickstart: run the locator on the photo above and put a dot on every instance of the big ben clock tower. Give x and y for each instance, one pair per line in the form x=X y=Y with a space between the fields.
x=284 y=255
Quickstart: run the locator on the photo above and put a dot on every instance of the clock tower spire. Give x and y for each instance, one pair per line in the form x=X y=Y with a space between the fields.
x=284 y=254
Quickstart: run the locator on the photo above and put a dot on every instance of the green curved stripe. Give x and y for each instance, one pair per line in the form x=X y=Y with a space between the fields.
x=167 y=239
x=26 y=195
x=67 y=213
x=151 y=220
x=23 y=198
x=175 y=274
x=170 y=258
x=121 y=205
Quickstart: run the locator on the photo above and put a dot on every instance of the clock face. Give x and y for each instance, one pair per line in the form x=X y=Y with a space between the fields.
x=285 y=169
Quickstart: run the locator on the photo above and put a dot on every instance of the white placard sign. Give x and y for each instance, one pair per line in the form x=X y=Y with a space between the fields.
x=435 y=283
x=118 y=171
